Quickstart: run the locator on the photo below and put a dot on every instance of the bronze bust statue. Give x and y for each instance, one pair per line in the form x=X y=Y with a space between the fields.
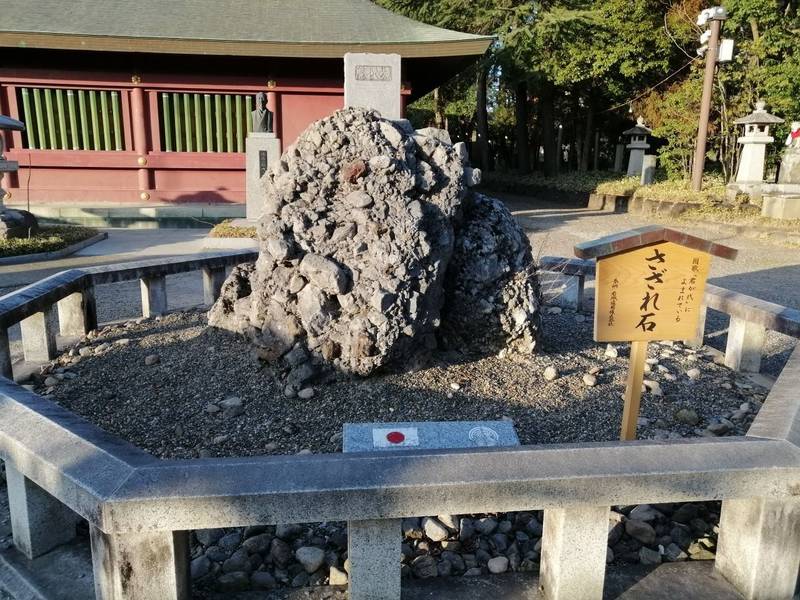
x=262 y=116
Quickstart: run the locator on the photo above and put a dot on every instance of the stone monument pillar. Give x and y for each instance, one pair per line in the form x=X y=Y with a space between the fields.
x=262 y=147
x=790 y=161
x=754 y=143
x=638 y=147
x=13 y=223
x=373 y=81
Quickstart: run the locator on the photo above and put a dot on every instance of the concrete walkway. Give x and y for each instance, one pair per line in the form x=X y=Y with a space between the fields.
x=122 y=245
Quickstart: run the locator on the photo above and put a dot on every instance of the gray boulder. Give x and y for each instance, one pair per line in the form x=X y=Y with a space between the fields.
x=360 y=219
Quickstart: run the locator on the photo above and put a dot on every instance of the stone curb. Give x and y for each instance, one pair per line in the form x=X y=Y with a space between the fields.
x=16 y=582
x=227 y=243
x=43 y=256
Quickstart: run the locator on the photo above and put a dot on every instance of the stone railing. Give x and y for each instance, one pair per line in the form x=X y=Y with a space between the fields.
x=71 y=294
x=140 y=508
x=750 y=318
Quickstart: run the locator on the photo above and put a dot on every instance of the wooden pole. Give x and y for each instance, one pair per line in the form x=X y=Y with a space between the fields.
x=633 y=390
x=699 y=163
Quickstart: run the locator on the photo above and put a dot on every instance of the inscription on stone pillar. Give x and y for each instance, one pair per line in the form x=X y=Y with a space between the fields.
x=373 y=73
x=262 y=162
x=373 y=81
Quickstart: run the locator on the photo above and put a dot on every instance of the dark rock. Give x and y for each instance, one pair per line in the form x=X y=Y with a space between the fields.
x=640 y=531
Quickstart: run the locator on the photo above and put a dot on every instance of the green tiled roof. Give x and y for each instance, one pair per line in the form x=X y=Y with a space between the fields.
x=313 y=28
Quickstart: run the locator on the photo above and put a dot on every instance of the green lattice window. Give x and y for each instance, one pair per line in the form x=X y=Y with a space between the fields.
x=59 y=119
x=192 y=122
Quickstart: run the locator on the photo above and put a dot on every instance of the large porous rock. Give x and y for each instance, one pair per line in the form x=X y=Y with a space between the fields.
x=492 y=292
x=356 y=236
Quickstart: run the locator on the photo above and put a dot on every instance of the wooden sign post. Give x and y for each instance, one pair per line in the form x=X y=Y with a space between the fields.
x=649 y=286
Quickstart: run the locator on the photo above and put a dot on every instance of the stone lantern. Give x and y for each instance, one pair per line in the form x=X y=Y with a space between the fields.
x=754 y=143
x=13 y=223
x=638 y=146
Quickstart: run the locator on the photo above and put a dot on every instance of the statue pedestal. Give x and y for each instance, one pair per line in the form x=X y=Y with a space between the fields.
x=261 y=149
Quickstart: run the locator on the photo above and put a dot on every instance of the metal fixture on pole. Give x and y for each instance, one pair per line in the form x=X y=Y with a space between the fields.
x=716 y=16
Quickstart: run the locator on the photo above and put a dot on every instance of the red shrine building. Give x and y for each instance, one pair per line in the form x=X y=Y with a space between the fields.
x=148 y=103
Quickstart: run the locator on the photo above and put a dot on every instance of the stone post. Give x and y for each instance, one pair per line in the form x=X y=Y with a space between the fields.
x=141 y=566
x=77 y=313
x=619 y=158
x=39 y=335
x=758 y=550
x=373 y=81
x=745 y=345
x=39 y=521
x=373 y=549
x=648 y=169
x=261 y=149
x=154 y=296
x=5 y=355
x=574 y=549
x=213 y=278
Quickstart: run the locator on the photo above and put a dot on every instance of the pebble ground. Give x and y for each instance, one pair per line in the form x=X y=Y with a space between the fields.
x=205 y=394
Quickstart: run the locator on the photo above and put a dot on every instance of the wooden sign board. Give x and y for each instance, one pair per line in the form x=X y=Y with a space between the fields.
x=649 y=285
x=650 y=293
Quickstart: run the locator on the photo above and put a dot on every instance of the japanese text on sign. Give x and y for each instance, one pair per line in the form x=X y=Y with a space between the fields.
x=650 y=293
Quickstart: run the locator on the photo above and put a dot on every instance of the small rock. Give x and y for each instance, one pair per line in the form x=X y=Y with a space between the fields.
x=434 y=530
x=238 y=581
x=231 y=402
x=498 y=564
x=648 y=556
x=640 y=531
x=199 y=567
x=720 y=428
x=425 y=567
x=673 y=553
x=486 y=525
x=311 y=557
x=337 y=577
x=653 y=387
x=306 y=393
x=151 y=359
x=644 y=512
x=611 y=352
x=261 y=580
x=687 y=416
x=590 y=380
x=50 y=381
x=550 y=373
x=693 y=373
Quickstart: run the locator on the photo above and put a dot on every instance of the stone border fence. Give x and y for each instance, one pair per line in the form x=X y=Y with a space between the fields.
x=140 y=509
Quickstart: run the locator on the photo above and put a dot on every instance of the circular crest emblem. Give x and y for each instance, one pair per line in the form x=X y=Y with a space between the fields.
x=483 y=436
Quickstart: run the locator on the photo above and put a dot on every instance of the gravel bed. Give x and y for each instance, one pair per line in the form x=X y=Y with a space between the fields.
x=179 y=389
x=206 y=395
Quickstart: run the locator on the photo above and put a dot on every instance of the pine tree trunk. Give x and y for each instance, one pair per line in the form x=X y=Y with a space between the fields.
x=482 y=121
x=521 y=116
x=548 y=133
x=586 y=146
